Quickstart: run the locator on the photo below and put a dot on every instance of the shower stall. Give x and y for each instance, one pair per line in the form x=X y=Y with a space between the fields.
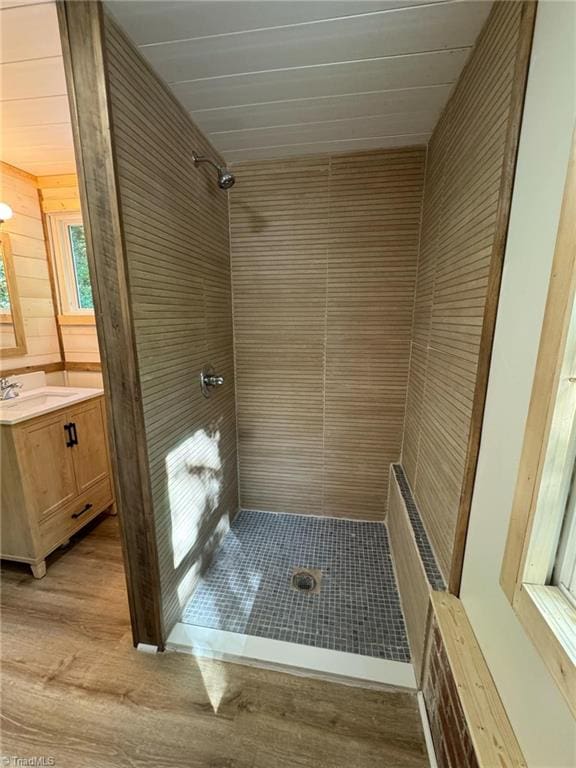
x=323 y=269
x=297 y=360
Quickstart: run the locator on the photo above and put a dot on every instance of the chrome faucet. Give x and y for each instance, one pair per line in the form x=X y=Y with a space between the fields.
x=209 y=380
x=8 y=389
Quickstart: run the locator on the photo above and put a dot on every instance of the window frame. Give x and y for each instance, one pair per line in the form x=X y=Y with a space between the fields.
x=564 y=573
x=64 y=267
x=16 y=317
x=545 y=472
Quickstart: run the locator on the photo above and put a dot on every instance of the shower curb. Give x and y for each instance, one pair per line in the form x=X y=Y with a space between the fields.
x=293 y=658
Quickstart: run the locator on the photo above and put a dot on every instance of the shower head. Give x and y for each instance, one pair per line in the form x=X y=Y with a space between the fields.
x=225 y=177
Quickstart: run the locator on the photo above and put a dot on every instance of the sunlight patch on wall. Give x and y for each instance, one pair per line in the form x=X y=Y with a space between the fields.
x=189 y=580
x=194 y=478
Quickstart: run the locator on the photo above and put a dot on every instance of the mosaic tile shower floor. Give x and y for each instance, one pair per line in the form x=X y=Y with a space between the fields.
x=247 y=587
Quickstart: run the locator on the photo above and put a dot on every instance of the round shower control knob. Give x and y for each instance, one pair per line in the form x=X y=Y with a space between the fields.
x=213 y=381
x=209 y=380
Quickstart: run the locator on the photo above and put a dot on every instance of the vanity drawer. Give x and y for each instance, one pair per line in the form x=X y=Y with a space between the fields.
x=61 y=525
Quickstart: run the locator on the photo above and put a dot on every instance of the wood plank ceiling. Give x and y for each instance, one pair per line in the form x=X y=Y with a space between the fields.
x=36 y=135
x=272 y=78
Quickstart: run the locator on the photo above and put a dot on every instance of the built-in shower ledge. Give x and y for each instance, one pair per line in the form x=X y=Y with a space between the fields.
x=297 y=659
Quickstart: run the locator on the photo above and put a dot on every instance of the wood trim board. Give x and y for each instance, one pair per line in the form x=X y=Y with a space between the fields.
x=66 y=180
x=82 y=32
x=95 y=367
x=559 y=303
x=491 y=733
x=539 y=500
x=52 y=276
x=76 y=319
x=43 y=367
x=18 y=173
x=549 y=620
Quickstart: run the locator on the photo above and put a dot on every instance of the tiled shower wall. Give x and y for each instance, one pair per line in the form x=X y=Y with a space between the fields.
x=465 y=166
x=324 y=256
x=175 y=222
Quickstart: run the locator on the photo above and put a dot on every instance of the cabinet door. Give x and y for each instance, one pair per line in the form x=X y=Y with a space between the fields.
x=47 y=465
x=90 y=454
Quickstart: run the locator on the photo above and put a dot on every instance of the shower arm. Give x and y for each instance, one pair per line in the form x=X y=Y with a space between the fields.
x=225 y=177
x=201 y=159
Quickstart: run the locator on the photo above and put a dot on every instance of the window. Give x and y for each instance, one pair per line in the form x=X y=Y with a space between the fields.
x=539 y=566
x=12 y=336
x=564 y=574
x=5 y=309
x=80 y=264
x=71 y=264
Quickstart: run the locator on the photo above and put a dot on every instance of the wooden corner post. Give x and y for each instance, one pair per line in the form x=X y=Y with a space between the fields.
x=83 y=44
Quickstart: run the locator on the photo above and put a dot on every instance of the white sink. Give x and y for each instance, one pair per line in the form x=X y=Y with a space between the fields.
x=31 y=401
x=36 y=402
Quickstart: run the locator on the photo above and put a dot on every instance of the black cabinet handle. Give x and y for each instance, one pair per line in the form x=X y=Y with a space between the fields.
x=86 y=508
x=70 y=428
x=70 y=440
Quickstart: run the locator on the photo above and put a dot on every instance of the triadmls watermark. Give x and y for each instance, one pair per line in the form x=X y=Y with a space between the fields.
x=37 y=761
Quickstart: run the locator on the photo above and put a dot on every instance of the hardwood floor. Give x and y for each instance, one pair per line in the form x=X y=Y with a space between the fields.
x=74 y=689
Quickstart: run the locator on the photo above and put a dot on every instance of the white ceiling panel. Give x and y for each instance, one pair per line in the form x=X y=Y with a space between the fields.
x=337 y=130
x=390 y=33
x=44 y=153
x=33 y=79
x=150 y=22
x=345 y=145
x=24 y=113
x=50 y=168
x=269 y=78
x=29 y=32
x=35 y=123
x=279 y=78
x=325 y=108
x=34 y=136
x=397 y=72
x=19 y=3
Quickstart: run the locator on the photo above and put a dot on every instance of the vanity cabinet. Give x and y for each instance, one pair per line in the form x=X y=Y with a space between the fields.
x=55 y=479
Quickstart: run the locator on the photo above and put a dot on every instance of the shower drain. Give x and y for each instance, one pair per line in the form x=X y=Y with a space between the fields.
x=306 y=580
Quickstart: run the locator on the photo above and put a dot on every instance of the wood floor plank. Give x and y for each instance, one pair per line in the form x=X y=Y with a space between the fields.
x=75 y=690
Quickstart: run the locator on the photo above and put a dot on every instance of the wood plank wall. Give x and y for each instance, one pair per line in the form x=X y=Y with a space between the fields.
x=59 y=194
x=175 y=222
x=324 y=254
x=19 y=190
x=465 y=166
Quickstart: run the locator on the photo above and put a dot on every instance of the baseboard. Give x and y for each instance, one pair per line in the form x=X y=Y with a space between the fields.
x=427 y=732
x=146 y=648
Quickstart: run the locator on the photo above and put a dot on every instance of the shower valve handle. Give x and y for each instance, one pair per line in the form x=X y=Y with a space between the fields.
x=209 y=380
x=213 y=381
